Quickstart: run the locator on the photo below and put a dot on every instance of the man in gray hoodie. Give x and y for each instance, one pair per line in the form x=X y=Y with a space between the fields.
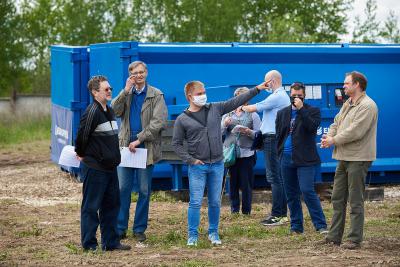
x=200 y=126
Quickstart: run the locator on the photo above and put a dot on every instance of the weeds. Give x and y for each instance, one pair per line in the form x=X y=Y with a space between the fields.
x=196 y=263
x=157 y=196
x=72 y=248
x=34 y=231
x=22 y=130
x=3 y=256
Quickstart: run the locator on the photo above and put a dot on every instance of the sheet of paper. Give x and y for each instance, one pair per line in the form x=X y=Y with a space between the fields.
x=317 y=92
x=309 y=92
x=133 y=160
x=68 y=157
x=238 y=128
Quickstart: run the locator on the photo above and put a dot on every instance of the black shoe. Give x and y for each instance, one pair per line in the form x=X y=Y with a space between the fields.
x=274 y=221
x=295 y=232
x=327 y=241
x=141 y=237
x=91 y=249
x=351 y=245
x=119 y=247
x=122 y=236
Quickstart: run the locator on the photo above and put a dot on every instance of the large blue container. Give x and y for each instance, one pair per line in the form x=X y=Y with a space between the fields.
x=224 y=67
x=69 y=96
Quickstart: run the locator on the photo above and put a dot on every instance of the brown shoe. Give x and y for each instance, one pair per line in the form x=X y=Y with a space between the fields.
x=351 y=245
x=327 y=241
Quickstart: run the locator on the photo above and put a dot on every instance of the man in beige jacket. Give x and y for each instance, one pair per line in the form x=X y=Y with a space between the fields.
x=353 y=134
x=143 y=114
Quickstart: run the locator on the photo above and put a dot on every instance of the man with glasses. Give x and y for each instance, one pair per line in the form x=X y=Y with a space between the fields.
x=270 y=106
x=97 y=148
x=143 y=114
x=353 y=133
x=296 y=129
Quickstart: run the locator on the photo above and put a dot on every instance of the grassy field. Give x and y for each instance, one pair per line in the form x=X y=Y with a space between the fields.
x=40 y=222
x=24 y=130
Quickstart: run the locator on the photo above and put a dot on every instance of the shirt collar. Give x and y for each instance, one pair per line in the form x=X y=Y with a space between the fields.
x=141 y=90
x=279 y=89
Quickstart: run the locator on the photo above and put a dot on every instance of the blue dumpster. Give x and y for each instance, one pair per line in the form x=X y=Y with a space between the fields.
x=69 y=96
x=224 y=67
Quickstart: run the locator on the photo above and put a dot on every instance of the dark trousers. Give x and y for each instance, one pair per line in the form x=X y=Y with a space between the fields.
x=349 y=184
x=299 y=180
x=100 y=205
x=241 y=177
x=274 y=178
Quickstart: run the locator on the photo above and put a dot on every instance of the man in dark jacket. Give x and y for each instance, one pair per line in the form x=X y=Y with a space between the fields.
x=296 y=129
x=97 y=148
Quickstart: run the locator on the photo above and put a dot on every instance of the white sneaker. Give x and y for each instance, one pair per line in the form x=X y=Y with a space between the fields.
x=214 y=238
x=192 y=241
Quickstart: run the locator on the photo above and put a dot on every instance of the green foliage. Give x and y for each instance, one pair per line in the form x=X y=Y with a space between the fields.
x=371 y=31
x=29 y=30
x=367 y=31
x=11 y=48
x=391 y=32
x=22 y=130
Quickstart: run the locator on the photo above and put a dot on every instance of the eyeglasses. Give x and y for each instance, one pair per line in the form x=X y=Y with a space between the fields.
x=135 y=74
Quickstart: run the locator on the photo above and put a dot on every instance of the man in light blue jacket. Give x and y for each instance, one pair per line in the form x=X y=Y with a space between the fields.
x=278 y=100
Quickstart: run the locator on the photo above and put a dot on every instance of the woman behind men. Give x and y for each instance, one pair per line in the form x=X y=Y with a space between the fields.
x=241 y=173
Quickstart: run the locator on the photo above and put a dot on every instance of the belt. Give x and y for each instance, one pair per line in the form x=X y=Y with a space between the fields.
x=268 y=135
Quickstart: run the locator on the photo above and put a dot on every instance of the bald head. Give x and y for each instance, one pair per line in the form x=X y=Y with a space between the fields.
x=275 y=77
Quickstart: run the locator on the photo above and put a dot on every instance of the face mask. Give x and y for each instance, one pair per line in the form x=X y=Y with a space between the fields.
x=269 y=89
x=200 y=100
x=293 y=98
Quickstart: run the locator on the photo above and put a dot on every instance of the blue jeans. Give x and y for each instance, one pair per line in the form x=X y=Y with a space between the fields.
x=199 y=176
x=279 y=205
x=100 y=205
x=300 y=180
x=126 y=178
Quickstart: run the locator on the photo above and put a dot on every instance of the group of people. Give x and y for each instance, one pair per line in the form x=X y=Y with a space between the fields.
x=288 y=131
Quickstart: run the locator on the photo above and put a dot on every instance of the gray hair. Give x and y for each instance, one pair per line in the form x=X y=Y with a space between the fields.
x=136 y=63
x=241 y=90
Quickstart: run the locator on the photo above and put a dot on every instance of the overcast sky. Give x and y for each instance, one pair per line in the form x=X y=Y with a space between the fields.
x=384 y=6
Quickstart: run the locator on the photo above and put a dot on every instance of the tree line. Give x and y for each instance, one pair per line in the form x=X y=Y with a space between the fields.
x=29 y=27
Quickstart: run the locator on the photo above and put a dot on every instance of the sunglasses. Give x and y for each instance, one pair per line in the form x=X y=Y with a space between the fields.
x=108 y=89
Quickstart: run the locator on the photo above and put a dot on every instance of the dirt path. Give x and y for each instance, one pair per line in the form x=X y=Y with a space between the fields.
x=39 y=225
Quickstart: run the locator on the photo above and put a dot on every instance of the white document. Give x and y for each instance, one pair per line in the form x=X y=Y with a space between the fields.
x=238 y=128
x=317 y=92
x=309 y=92
x=68 y=157
x=133 y=160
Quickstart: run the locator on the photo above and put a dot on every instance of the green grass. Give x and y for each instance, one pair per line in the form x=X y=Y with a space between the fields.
x=34 y=231
x=3 y=256
x=156 y=196
x=196 y=263
x=23 y=130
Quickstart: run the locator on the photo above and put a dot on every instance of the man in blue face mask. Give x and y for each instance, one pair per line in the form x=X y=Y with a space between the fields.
x=200 y=126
